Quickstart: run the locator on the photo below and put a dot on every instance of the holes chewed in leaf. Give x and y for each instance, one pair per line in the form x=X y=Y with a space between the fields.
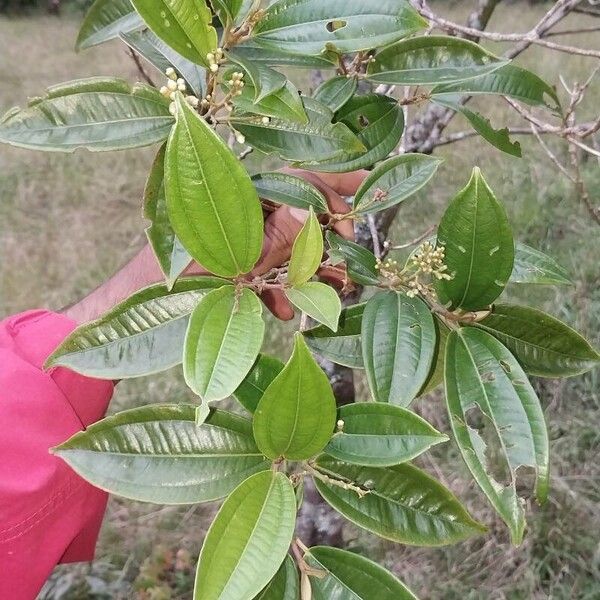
x=335 y=25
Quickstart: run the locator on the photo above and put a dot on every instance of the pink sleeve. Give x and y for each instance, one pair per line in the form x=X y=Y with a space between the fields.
x=48 y=514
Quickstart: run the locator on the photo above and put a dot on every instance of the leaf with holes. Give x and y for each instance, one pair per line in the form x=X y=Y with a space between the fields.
x=248 y=540
x=534 y=267
x=335 y=92
x=432 y=60
x=311 y=142
x=140 y=336
x=312 y=26
x=307 y=251
x=106 y=20
x=284 y=188
x=360 y=262
x=479 y=247
x=343 y=346
x=378 y=122
x=543 y=345
x=158 y=454
x=348 y=575
x=285 y=585
x=260 y=377
x=162 y=56
x=399 y=503
x=212 y=204
x=509 y=80
x=375 y=434
x=98 y=114
x=488 y=394
x=398 y=343
x=318 y=300
x=172 y=257
x=393 y=181
x=223 y=340
x=296 y=415
x=185 y=25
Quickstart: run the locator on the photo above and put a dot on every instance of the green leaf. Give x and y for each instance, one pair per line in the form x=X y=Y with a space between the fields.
x=436 y=373
x=398 y=343
x=312 y=26
x=265 y=80
x=285 y=585
x=399 y=503
x=488 y=394
x=479 y=247
x=393 y=181
x=248 y=540
x=509 y=80
x=342 y=347
x=162 y=56
x=378 y=122
x=543 y=345
x=230 y=9
x=172 y=257
x=381 y=435
x=318 y=300
x=296 y=415
x=311 y=142
x=283 y=104
x=260 y=377
x=499 y=138
x=256 y=54
x=534 y=267
x=291 y=190
x=106 y=20
x=98 y=114
x=307 y=252
x=158 y=454
x=360 y=262
x=185 y=25
x=223 y=340
x=212 y=204
x=335 y=92
x=348 y=575
x=432 y=60
x=140 y=336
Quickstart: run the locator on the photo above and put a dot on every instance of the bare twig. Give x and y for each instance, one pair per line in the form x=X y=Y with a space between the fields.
x=140 y=67
x=551 y=154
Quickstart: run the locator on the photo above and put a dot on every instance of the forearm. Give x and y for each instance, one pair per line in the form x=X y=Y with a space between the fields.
x=142 y=270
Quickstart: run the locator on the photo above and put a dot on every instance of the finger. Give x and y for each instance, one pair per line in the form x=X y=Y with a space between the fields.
x=335 y=202
x=344 y=184
x=281 y=229
x=278 y=304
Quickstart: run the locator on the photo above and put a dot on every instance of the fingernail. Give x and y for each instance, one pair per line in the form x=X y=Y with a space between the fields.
x=299 y=214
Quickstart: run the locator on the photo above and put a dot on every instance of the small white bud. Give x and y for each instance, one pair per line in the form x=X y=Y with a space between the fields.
x=172 y=85
x=240 y=138
x=266 y=120
x=192 y=101
x=181 y=87
x=164 y=90
x=170 y=72
x=172 y=96
x=340 y=425
x=214 y=67
x=210 y=57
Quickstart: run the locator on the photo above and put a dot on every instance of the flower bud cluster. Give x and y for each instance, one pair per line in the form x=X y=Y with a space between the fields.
x=426 y=264
x=236 y=83
x=214 y=59
x=176 y=84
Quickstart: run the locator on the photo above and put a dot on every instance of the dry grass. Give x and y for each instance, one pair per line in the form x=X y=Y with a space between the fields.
x=68 y=221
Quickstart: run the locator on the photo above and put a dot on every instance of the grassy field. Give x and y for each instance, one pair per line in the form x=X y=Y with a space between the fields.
x=68 y=221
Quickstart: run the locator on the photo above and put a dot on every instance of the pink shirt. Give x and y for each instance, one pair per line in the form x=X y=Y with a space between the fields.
x=48 y=514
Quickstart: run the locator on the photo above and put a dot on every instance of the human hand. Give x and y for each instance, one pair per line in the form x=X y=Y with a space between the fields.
x=283 y=225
